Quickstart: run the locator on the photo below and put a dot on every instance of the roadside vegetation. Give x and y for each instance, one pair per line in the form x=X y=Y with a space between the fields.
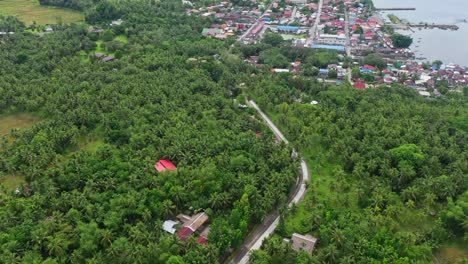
x=385 y=163
x=78 y=185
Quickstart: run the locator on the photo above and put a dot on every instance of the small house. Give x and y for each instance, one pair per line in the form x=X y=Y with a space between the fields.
x=191 y=224
x=360 y=85
x=303 y=242
x=163 y=165
x=169 y=226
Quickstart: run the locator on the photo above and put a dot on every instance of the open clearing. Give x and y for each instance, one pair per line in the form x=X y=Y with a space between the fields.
x=16 y=121
x=11 y=182
x=30 y=10
x=450 y=254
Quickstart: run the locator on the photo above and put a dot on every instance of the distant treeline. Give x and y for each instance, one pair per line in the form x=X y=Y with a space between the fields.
x=73 y=4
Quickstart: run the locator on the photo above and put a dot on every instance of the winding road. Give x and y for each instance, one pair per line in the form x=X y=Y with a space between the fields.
x=262 y=231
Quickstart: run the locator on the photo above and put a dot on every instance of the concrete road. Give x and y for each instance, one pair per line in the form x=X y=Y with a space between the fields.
x=313 y=29
x=348 y=46
x=262 y=231
x=259 y=20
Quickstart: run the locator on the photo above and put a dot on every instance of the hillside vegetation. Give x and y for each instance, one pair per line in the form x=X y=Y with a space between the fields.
x=79 y=185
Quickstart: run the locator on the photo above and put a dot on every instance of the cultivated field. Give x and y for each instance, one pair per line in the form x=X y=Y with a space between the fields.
x=29 y=11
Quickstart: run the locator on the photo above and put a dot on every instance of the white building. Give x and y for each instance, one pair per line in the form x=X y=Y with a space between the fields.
x=169 y=225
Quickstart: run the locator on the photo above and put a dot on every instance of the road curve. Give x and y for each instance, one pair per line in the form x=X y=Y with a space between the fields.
x=262 y=231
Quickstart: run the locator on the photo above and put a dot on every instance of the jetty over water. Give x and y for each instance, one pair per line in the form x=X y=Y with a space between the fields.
x=395 y=9
x=425 y=26
x=439 y=26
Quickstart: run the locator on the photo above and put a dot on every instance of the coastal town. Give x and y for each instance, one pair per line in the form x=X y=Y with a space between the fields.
x=354 y=29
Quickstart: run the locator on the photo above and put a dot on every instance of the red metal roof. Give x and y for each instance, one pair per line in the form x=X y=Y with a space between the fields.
x=184 y=233
x=359 y=85
x=202 y=240
x=163 y=165
x=368 y=67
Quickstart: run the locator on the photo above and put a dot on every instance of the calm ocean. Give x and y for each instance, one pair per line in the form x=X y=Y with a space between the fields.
x=448 y=46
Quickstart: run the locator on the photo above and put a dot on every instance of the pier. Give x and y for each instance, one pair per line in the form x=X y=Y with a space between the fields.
x=431 y=26
x=396 y=9
x=425 y=26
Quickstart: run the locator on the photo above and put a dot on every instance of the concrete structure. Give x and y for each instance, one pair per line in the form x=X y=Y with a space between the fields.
x=303 y=242
x=169 y=226
x=163 y=165
x=332 y=47
x=191 y=224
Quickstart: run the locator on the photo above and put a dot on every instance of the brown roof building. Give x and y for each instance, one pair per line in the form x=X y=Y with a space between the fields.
x=303 y=242
x=191 y=224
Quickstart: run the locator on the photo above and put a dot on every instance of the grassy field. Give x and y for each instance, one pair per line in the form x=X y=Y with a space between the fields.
x=16 y=121
x=11 y=182
x=30 y=10
x=121 y=38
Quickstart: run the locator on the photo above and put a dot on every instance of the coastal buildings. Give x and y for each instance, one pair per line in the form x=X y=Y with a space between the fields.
x=346 y=26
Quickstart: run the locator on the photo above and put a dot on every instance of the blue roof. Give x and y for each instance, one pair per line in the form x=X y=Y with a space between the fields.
x=288 y=28
x=323 y=70
x=367 y=71
x=266 y=19
x=332 y=47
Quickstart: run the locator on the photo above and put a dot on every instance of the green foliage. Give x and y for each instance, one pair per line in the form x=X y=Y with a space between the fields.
x=408 y=154
x=73 y=4
x=107 y=35
x=11 y=24
x=356 y=72
x=376 y=60
x=398 y=161
x=272 y=39
x=89 y=193
x=332 y=74
x=100 y=200
x=456 y=216
x=401 y=41
x=273 y=58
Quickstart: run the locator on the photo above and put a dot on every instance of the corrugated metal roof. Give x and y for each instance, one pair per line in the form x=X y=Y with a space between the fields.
x=163 y=165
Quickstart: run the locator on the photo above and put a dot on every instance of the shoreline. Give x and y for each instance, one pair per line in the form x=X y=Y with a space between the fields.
x=384 y=18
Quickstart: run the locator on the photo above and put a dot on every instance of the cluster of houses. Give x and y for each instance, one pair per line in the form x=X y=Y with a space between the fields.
x=331 y=27
x=289 y=17
x=185 y=226
x=417 y=75
x=233 y=19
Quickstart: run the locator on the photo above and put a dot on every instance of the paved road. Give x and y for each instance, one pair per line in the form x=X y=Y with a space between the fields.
x=313 y=29
x=254 y=241
x=259 y=20
x=348 y=45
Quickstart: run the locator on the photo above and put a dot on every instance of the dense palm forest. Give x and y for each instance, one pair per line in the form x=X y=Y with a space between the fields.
x=389 y=170
x=106 y=203
x=388 y=167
